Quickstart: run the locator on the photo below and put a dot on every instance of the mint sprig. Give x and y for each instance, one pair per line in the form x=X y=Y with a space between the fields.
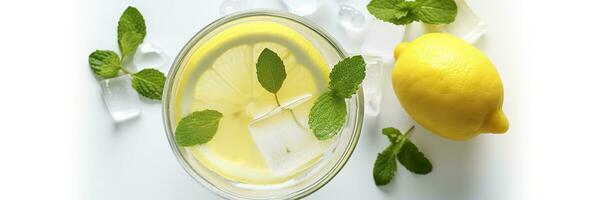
x=107 y=64
x=329 y=111
x=401 y=12
x=198 y=127
x=407 y=153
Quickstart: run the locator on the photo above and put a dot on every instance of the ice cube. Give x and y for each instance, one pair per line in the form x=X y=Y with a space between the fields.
x=352 y=21
x=382 y=38
x=231 y=6
x=350 y=18
x=121 y=100
x=466 y=26
x=373 y=84
x=286 y=145
x=149 y=55
x=302 y=7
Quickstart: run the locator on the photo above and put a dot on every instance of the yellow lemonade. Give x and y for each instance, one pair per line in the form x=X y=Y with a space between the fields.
x=220 y=74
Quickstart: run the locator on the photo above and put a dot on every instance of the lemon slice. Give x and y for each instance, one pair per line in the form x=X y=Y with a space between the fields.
x=221 y=75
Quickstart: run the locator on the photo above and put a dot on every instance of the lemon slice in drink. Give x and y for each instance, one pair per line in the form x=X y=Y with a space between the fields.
x=221 y=75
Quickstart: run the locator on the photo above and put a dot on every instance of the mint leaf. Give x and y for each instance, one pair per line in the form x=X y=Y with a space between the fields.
x=386 y=10
x=347 y=75
x=149 y=83
x=197 y=128
x=403 y=20
x=392 y=134
x=413 y=159
x=393 y=11
x=401 y=12
x=403 y=9
x=435 y=11
x=385 y=167
x=270 y=71
x=327 y=116
x=105 y=63
x=406 y=15
x=131 y=30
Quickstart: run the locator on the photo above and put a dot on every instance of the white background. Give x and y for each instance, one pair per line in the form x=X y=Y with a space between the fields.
x=58 y=143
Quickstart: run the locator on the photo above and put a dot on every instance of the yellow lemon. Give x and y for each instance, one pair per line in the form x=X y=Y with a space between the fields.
x=449 y=87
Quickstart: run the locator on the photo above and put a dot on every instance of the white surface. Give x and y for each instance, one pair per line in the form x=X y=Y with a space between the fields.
x=124 y=161
x=381 y=39
x=58 y=141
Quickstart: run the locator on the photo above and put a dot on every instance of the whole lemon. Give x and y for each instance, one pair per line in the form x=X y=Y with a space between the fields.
x=449 y=87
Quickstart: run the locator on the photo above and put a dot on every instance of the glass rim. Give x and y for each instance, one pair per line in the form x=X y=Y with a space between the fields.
x=177 y=64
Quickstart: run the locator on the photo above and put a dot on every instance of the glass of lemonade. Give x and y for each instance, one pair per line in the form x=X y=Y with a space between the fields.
x=260 y=151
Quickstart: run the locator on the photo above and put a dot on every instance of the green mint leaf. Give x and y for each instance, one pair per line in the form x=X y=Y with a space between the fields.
x=347 y=76
x=403 y=10
x=394 y=11
x=149 y=83
x=406 y=15
x=197 y=128
x=270 y=71
x=414 y=160
x=435 y=11
x=393 y=134
x=131 y=30
x=385 y=166
x=104 y=63
x=387 y=10
x=404 y=20
x=327 y=116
